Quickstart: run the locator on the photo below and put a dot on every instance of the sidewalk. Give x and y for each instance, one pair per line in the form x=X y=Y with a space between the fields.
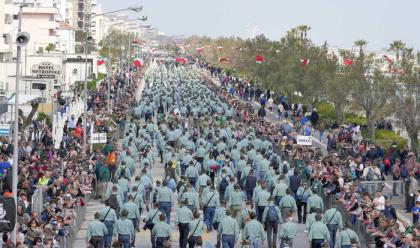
x=59 y=119
x=94 y=206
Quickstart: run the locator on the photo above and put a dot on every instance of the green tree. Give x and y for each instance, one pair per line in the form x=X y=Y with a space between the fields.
x=361 y=44
x=50 y=47
x=407 y=101
x=371 y=91
x=397 y=46
x=26 y=120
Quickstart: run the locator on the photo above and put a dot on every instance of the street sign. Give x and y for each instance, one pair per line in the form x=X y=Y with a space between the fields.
x=98 y=138
x=304 y=140
x=4 y=129
x=46 y=70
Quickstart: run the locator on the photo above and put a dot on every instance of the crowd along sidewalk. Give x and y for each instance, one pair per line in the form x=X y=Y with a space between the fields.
x=59 y=120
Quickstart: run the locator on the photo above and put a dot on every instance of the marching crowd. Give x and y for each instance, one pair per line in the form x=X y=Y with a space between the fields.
x=232 y=171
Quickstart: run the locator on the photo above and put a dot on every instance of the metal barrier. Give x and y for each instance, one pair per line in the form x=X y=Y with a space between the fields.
x=393 y=190
x=358 y=226
x=38 y=200
x=71 y=231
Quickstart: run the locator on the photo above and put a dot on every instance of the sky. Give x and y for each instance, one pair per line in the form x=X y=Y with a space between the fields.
x=338 y=22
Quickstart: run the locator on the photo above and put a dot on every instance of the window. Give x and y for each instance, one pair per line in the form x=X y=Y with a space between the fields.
x=7 y=19
x=6 y=38
x=15 y=17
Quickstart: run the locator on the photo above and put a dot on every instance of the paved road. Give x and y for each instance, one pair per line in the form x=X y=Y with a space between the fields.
x=143 y=237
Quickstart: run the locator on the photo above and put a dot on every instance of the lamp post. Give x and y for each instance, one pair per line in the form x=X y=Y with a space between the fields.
x=89 y=39
x=143 y=18
x=21 y=40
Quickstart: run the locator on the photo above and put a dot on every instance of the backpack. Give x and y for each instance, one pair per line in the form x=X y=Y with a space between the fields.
x=275 y=163
x=250 y=185
x=272 y=214
x=285 y=169
x=155 y=194
x=122 y=172
x=178 y=187
x=370 y=175
x=113 y=202
x=224 y=184
x=112 y=158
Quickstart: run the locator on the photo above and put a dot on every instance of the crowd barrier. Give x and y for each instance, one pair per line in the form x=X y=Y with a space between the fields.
x=38 y=200
x=71 y=231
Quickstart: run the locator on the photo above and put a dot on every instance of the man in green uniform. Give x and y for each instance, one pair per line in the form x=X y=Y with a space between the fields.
x=108 y=217
x=196 y=228
x=96 y=232
x=334 y=221
x=182 y=219
x=161 y=231
x=210 y=203
x=272 y=219
x=253 y=232
x=235 y=201
x=287 y=232
x=124 y=230
x=192 y=198
x=165 y=198
x=310 y=219
x=228 y=231
x=133 y=210
x=315 y=201
x=261 y=201
x=347 y=237
x=152 y=217
x=318 y=233
x=302 y=196
x=279 y=190
x=287 y=204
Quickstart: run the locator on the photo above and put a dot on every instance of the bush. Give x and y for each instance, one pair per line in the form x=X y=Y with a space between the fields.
x=91 y=85
x=385 y=138
x=355 y=119
x=326 y=111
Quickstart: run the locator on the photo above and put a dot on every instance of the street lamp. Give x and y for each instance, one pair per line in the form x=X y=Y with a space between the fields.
x=143 y=18
x=22 y=40
x=89 y=39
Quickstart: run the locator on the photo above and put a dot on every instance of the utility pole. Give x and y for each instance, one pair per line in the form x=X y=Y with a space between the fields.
x=109 y=74
x=85 y=99
x=21 y=40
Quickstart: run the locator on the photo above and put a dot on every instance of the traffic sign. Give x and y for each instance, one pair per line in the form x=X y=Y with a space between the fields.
x=4 y=129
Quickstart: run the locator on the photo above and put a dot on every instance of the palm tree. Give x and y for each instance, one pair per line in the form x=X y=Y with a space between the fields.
x=361 y=44
x=397 y=46
x=303 y=31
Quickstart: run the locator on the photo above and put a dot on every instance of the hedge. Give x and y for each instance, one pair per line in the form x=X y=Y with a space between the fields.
x=385 y=138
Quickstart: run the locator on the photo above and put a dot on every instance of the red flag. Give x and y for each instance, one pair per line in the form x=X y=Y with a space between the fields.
x=304 y=62
x=223 y=59
x=220 y=48
x=348 y=62
x=199 y=49
x=388 y=59
x=100 y=62
x=259 y=59
x=181 y=60
x=138 y=62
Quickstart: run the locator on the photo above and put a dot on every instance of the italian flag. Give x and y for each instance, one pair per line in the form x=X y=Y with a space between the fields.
x=259 y=59
x=304 y=62
x=138 y=62
x=100 y=62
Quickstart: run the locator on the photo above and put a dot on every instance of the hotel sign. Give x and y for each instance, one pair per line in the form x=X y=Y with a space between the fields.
x=46 y=70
